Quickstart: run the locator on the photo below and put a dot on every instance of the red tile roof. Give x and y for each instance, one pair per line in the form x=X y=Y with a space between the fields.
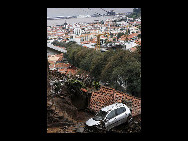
x=84 y=90
x=59 y=65
x=71 y=71
x=107 y=96
x=138 y=41
x=132 y=35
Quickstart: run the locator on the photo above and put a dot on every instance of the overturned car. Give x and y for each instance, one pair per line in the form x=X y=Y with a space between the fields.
x=109 y=117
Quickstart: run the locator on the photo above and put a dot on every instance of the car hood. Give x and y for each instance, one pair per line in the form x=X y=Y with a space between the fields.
x=92 y=122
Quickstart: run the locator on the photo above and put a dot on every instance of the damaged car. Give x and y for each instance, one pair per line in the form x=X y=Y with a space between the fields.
x=110 y=117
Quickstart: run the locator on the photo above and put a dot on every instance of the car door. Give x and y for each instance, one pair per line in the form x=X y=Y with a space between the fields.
x=110 y=120
x=121 y=115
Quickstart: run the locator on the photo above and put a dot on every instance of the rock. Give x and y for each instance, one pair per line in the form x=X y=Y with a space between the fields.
x=80 y=130
x=60 y=114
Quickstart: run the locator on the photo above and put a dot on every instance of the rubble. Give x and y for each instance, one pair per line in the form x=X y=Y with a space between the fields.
x=65 y=117
x=80 y=130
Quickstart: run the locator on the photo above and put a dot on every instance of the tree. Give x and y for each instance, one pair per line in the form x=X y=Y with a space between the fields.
x=55 y=43
x=123 y=68
x=137 y=10
x=139 y=35
x=74 y=86
x=132 y=74
x=136 y=13
x=113 y=62
x=111 y=35
x=119 y=67
x=102 y=22
x=80 y=55
x=86 y=62
x=138 y=49
x=71 y=52
x=70 y=43
x=119 y=35
x=97 y=66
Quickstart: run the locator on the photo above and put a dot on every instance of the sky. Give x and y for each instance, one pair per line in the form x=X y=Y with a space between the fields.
x=53 y=12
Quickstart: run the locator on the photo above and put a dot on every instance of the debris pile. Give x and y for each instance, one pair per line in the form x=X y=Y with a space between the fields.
x=62 y=114
x=65 y=116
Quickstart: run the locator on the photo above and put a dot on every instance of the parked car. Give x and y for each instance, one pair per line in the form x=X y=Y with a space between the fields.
x=110 y=116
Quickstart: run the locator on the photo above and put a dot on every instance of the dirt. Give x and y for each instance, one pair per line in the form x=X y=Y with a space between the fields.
x=65 y=117
x=62 y=115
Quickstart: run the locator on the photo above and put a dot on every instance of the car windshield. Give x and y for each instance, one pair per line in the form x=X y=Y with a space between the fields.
x=100 y=115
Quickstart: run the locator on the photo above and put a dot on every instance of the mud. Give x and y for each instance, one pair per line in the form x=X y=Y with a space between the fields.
x=65 y=116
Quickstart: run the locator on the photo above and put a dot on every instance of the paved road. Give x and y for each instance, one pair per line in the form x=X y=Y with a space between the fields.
x=56 y=48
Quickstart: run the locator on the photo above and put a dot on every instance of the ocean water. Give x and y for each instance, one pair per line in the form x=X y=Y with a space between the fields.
x=53 y=12
x=77 y=20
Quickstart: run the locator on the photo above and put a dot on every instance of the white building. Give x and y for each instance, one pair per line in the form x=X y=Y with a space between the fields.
x=77 y=31
x=138 y=20
x=77 y=39
x=133 y=29
x=130 y=45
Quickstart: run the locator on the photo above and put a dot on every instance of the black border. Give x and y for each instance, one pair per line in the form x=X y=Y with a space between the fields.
x=42 y=83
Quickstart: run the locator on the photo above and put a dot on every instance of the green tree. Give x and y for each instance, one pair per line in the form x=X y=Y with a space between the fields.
x=97 y=65
x=119 y=35
x=139 y=35
x=71 y=52
x=70 y=43
x=119 y=67
x=74 y=86
x=132 y=74
x=86 y=62
x=80 y=55
x=113 y=62
x=55 y=43
x=102 y=22
x=123 y=68
x=136 y=13
x=138 y=49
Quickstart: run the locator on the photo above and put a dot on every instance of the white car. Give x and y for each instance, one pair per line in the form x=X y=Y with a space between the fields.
x=110 y=116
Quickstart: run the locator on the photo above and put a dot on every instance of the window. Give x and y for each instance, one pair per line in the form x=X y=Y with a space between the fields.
x=120 y=110
x=111 y=114
x=100 y=115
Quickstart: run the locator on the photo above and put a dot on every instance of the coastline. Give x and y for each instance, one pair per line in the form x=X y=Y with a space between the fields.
x=77 y=20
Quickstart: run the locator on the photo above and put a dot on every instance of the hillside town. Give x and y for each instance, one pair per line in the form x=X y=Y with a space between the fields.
x=85 y=34
x=73 y=94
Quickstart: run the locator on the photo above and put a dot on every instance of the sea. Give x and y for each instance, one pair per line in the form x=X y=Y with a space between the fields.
x=77 y=20
x=54 y=12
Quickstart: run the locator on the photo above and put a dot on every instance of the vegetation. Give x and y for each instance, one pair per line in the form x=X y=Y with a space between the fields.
x=139 y=35
x=121 y=68
x=62 y=44
x=119 y=35
x=136 y=13
x=74 y=86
